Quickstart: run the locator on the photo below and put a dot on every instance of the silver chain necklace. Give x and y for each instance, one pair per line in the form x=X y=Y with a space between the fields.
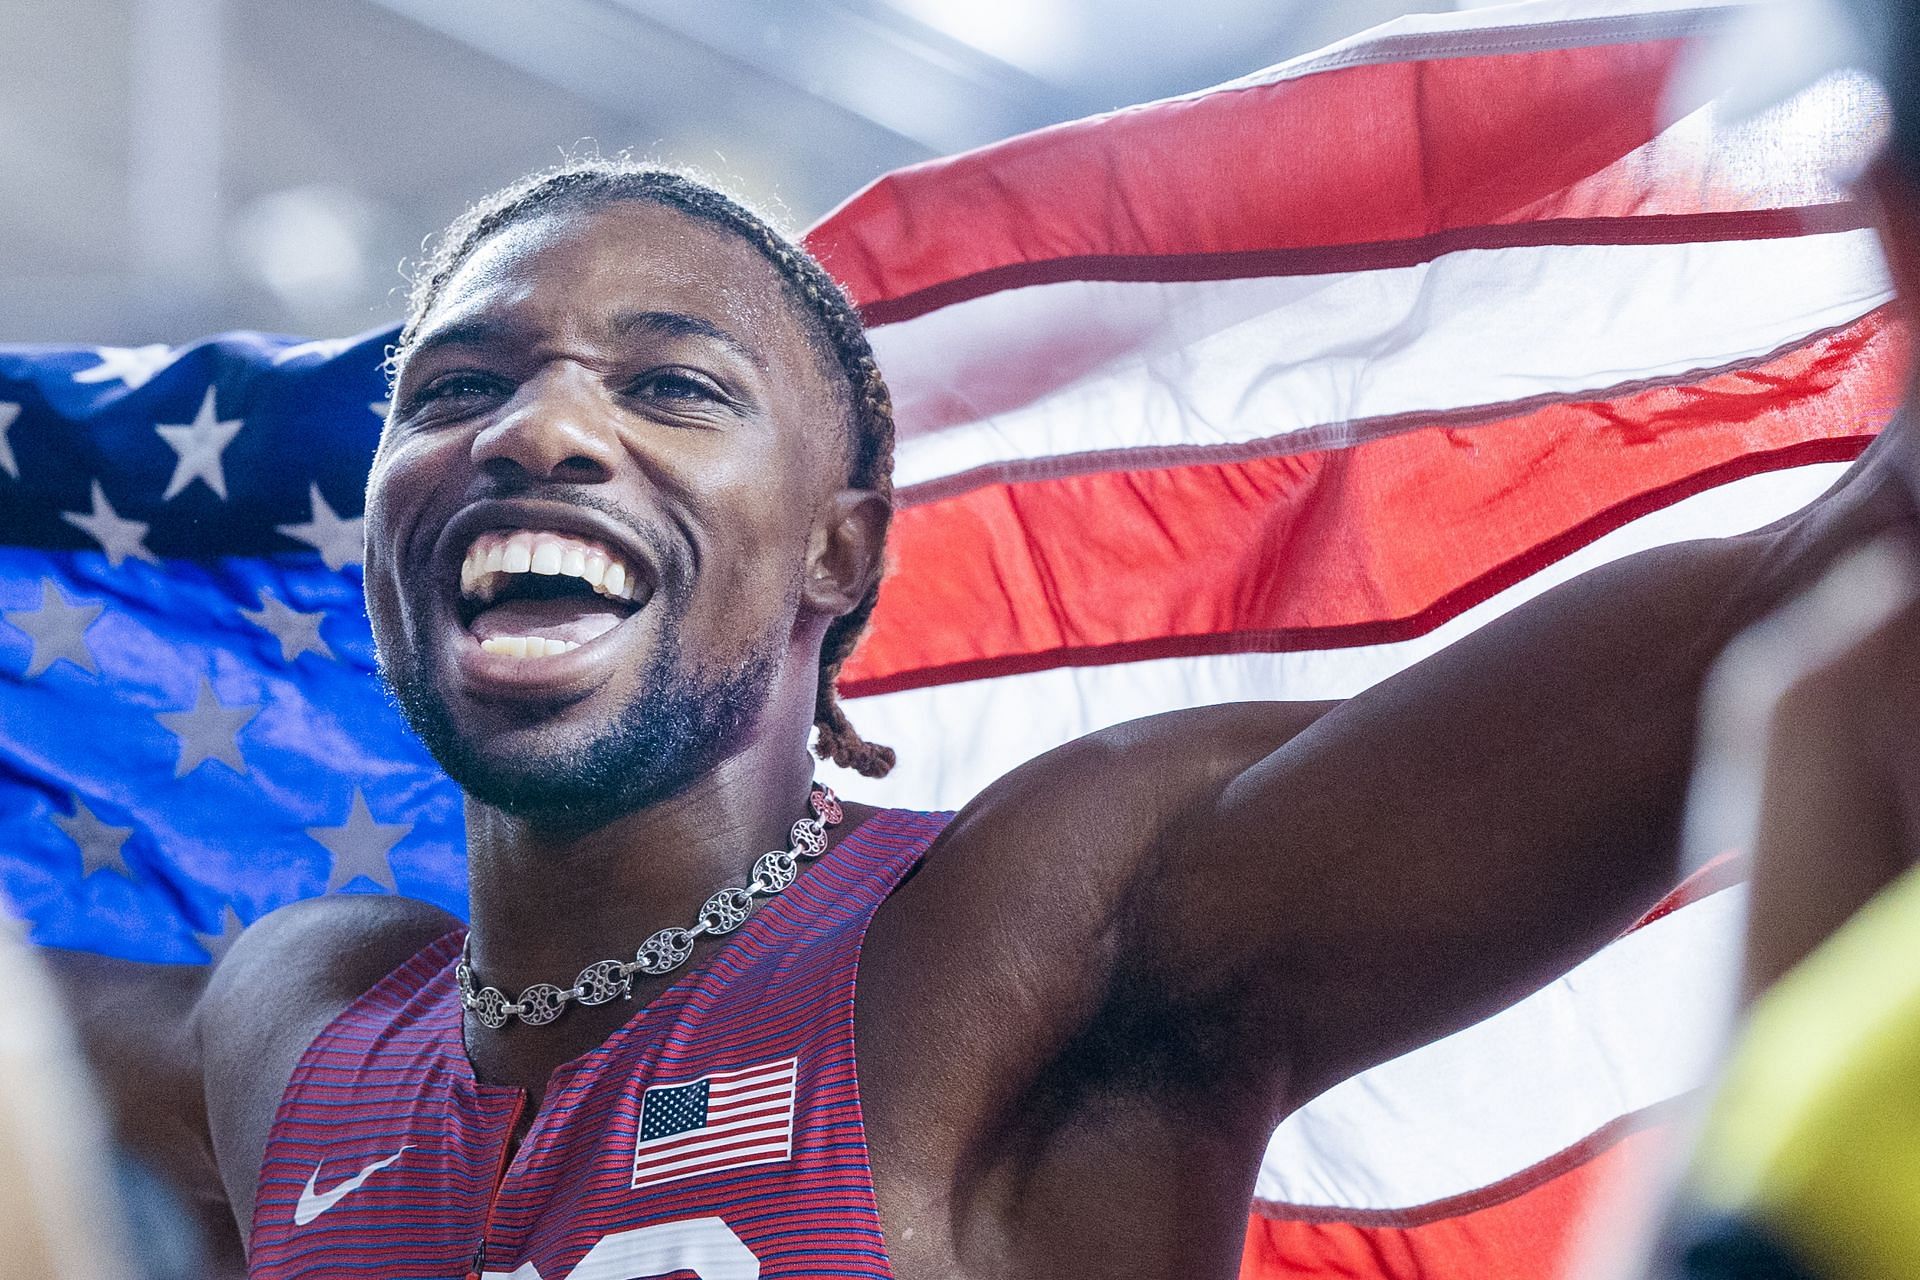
x=665 y=951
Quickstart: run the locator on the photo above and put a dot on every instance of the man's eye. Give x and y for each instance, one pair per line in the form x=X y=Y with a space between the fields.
x=675 y=384
x=453 y=386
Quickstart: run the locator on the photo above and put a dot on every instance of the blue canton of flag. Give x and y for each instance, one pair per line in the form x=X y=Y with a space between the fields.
x=191 y=729
x=669 y=1111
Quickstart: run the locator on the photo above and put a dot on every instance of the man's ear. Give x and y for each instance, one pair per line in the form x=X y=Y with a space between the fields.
x=846 y=550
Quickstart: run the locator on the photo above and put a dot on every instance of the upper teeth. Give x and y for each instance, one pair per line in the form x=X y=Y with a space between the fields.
x=493 y=556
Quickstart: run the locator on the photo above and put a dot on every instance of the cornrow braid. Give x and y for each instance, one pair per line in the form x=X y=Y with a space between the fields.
x=588 y=185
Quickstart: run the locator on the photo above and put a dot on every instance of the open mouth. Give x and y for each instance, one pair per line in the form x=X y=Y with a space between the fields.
x=537 y=593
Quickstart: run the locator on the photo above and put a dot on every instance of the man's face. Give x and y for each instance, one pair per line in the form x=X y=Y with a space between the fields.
x=589 y=517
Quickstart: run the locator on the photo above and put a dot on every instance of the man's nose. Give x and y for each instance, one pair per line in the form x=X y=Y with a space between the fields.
x=556 y=428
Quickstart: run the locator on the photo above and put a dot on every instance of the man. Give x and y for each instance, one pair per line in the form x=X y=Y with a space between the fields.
x=627 y=517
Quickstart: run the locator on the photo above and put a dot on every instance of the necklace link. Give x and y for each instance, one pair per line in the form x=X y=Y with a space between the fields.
x=607 y=980
x=773 y=872
x=665 y=951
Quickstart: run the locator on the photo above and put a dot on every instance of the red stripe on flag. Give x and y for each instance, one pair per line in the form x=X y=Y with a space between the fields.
x=769 y=1136
x=1717 y=876
x=1388 y=152
x=1529 y=1235
x=1382 y=541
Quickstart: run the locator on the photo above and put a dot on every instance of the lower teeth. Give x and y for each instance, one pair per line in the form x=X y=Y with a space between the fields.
x=527 y=646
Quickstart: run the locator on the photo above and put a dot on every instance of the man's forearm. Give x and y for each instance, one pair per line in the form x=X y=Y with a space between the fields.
x=1452 y=838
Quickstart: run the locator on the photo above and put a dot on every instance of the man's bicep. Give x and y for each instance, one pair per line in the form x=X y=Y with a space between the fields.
x=1278 y=882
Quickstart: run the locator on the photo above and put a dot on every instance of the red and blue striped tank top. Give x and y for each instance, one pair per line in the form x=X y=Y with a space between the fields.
x=716 y=1135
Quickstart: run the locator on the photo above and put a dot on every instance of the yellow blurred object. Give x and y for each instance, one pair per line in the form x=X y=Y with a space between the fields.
x=1816 y=1132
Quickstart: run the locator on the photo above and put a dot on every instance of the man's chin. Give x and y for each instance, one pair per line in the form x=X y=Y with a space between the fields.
x=569 y=769
x=546 y=798
x=546 y=774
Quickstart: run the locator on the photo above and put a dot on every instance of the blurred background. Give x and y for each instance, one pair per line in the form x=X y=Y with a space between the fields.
x=181 y=167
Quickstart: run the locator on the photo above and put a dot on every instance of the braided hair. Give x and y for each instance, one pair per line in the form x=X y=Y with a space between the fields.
x=833 y=324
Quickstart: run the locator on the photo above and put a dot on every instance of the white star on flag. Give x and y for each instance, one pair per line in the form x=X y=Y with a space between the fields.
x=119 y=538
x=58 y=629
x=8 y=412
x=217 y=944
x=361 y=846
x=100 y=845
x=199 y=444
x=297 y=632
x=208 y=730
x=134 y=366
x=338 y=541
x=320 y=350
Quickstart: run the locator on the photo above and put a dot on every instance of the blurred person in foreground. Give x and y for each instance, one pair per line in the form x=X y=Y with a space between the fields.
x=1809 y=1164
x=627 y=518
x=70 y=1208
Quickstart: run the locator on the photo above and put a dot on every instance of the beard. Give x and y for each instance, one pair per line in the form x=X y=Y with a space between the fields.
x=679 y=725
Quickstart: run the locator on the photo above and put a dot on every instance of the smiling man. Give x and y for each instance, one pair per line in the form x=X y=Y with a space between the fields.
x=627 y=518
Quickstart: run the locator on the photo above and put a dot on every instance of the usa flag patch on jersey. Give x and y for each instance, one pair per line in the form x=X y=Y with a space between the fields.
x=727 y=1120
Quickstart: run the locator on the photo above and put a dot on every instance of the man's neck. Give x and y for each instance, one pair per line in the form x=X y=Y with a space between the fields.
x=546 y=905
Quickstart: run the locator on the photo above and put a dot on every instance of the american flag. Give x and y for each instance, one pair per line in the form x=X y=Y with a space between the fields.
x=1264 y=392
x=190 y=729
x=727 y=1120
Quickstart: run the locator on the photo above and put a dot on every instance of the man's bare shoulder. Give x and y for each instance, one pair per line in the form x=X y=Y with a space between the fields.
x=325 y=950
x=289 y=975
x=1101 y=805
x=1024 y=906
x=1117 y=790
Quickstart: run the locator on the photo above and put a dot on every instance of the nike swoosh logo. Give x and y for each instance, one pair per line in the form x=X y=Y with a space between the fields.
x=314 y=1203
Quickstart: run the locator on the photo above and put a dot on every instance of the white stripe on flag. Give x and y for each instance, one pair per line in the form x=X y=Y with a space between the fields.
x=1634 y=1026
x=1108 y=365
x=1421 y=36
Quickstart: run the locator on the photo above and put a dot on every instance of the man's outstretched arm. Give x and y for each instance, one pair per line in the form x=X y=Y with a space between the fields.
x=1460 y=834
